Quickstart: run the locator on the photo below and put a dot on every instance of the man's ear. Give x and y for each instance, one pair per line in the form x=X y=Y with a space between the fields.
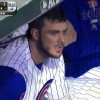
x=35 y=33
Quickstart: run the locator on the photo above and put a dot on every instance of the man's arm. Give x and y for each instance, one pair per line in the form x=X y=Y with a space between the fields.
x=71 y=35
x=64 y=98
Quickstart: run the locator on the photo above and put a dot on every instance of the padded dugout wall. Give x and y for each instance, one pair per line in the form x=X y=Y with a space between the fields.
x=24 y=15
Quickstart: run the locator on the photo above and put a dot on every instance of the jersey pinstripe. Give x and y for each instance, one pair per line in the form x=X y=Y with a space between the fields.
x=17 y=55
x=49 y=82
x=18 y=32
x=85 y=87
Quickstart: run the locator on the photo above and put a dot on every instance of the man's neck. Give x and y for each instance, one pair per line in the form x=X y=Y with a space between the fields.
x=36 y=54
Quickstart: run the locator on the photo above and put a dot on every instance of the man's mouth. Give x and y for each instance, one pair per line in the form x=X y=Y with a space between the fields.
x=59 y=48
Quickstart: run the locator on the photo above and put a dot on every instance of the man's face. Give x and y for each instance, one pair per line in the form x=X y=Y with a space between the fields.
x=52 y=38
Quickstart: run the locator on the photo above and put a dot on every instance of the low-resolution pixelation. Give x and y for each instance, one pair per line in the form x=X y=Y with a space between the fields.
x=50 y=50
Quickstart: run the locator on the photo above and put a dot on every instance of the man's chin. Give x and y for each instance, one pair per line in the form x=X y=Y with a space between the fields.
x=56 y=56
x=53 y=55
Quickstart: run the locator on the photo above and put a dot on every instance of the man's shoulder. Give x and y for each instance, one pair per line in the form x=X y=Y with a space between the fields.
x=12 y=44
x=13 y=51
x=13 y=54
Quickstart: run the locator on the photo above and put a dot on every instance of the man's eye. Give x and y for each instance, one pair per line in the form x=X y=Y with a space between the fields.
x=53 y=33
x=65 y=32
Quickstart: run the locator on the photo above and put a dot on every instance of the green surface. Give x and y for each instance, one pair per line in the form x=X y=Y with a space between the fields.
x=24 y=15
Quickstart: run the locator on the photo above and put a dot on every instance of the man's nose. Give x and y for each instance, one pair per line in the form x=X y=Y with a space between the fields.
x=61 y=38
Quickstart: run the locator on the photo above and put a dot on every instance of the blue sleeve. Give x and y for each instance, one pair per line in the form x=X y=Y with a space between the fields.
x=12 y=84
x=85 y=17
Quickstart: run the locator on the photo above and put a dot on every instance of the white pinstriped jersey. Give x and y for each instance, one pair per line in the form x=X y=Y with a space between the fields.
x=48 y=82
x=85 y=87
x=17 y=55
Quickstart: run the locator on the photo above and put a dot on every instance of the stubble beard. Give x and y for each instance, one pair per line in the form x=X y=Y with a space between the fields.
x=43 y=50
